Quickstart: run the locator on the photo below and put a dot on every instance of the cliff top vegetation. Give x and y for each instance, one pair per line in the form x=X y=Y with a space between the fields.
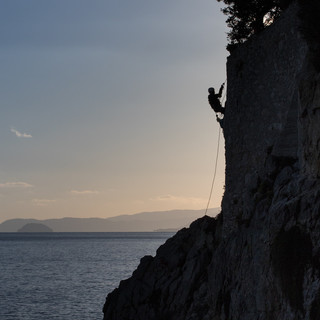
x=248 y=17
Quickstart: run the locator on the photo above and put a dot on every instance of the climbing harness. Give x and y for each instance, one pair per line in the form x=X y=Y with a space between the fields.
x=217 y=158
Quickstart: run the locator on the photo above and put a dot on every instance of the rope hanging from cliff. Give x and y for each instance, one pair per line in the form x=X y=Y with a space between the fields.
x=215 y=172
x=217 y=158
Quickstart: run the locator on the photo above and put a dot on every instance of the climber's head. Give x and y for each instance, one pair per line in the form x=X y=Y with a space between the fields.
x=211 y=90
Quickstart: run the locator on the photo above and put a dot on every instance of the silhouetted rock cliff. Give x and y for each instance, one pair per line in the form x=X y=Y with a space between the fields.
x=260 y=259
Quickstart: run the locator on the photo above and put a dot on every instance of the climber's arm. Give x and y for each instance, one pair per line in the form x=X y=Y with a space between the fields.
x=221 y=90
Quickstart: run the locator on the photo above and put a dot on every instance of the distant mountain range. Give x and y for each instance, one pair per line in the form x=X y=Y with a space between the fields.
x=145 y=221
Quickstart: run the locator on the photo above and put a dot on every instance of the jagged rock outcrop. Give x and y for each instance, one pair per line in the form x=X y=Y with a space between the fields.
x=260 y=258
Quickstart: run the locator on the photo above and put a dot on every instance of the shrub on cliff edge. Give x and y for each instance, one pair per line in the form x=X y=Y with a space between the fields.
x=248 y=17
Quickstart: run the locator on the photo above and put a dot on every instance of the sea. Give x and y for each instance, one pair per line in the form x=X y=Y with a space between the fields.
x=67 y=276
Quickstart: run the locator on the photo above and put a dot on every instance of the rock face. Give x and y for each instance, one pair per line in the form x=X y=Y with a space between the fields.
x=260 y=258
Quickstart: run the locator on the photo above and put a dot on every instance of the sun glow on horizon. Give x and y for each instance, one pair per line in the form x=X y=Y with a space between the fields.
x=105 y=107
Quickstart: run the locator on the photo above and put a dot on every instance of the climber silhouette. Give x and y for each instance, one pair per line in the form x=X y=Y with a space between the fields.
x=214 y=99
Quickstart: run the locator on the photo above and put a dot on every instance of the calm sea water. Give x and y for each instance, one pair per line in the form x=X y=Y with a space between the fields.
x=45 y=276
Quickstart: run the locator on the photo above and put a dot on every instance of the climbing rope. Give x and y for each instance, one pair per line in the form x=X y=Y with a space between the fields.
x=217 y=158
x=215 y=172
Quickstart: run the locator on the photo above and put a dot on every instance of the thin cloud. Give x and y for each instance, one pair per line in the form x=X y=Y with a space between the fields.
x=42 y=202
x=18 y=184
x=179 y=200
x=84 y=192
x=19 y=134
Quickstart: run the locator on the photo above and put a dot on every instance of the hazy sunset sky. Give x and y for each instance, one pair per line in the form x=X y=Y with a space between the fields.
x=104 y=106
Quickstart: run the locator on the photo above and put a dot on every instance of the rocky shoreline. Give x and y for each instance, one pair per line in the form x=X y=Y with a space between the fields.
x=260 y=258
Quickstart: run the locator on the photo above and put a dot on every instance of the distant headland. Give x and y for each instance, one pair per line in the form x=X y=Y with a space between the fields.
x=140 y=222
x=35 y=227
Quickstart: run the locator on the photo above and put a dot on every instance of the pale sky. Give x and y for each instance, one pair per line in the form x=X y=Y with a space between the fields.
x=104 y=106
